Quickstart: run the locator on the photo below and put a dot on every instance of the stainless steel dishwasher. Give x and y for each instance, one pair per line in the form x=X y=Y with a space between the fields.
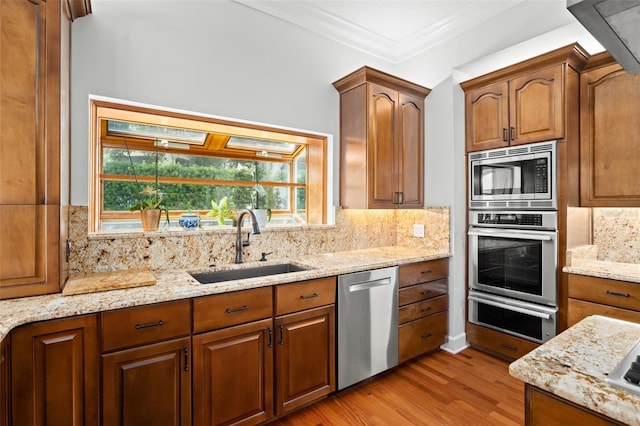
x=367 y=324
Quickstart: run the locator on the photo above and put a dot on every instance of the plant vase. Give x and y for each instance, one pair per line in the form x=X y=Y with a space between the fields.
x=261 y=216
x=150 y=219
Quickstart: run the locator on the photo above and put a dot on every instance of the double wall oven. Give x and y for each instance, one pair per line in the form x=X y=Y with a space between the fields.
x=513 y=241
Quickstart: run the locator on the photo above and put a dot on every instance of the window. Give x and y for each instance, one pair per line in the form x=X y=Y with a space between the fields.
x=193 y=160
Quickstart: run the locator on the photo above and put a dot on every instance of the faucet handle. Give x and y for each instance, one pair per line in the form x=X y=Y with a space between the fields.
x=246 y=242
x=264 y=256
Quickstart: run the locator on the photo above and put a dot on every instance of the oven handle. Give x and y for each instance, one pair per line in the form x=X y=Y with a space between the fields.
x=510 y=307
x=517 y=235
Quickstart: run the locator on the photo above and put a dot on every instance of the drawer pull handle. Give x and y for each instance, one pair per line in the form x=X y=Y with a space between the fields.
x=511 y=348
x=240 y=309
x=425 y=292
x=311 y=296
x=427 y=309
x=185 y=351
x=426 y=336
x=616 y=293
x=428 y=271
x=151 y=324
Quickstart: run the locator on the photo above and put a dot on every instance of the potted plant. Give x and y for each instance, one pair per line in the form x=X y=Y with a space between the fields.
x=220 y=211
x=262 y=215
x=150 y=202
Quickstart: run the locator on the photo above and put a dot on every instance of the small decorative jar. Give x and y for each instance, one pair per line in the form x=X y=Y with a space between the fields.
x=189 y=220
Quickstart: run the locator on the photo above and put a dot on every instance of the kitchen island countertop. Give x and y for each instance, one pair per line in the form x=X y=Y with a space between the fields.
x=178 y=284
x=574 y=366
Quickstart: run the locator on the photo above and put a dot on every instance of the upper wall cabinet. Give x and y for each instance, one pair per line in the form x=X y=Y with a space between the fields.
x=381 y=141
x=523 y=103
x=34 y=121
x=609 y=135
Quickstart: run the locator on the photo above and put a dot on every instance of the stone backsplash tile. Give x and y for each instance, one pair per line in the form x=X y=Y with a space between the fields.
x=175 y=248
x=616 y=234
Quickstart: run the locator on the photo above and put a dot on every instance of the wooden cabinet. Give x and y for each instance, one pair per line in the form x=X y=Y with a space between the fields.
x=523 y=103
x=545 y=409
x=305 y=349
x=381 y=141
x=233 y=358
x=55 y=373
x=423 y=305
x=5 y=390
x=33 y=121
x=609 y=137
x=150 y=382
x=498 y=344
x=601 y=296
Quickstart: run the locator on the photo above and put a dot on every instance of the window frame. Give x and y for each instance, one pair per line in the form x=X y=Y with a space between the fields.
x=101 y=110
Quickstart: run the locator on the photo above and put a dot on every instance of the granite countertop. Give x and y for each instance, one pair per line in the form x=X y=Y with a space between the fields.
x=574 y=366
x=178 y=284
x=584 y=261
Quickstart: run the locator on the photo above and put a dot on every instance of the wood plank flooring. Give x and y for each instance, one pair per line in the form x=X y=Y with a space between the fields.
x=469 y=388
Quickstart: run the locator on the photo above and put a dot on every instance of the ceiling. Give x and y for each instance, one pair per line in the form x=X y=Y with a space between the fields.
x=394 y=30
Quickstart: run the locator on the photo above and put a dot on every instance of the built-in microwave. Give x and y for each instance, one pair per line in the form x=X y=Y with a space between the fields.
x=518 y=177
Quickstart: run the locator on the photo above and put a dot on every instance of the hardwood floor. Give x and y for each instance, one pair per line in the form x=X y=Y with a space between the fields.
x=469 y=388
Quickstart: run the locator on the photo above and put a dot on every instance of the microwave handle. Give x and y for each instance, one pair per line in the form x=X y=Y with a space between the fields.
x=510 y=307
x=504 y=235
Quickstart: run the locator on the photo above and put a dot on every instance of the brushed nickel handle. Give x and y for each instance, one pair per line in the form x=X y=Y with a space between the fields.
x=504 y=134
x=427 y=309
x=426 y=336
x=617 y=293
x=270 y=332
x=311 y=296
x=511 y=348
x=428 y=271
x=185 y=352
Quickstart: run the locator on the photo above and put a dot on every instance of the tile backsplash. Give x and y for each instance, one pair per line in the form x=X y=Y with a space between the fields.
x=176 y=248
x=616 y=234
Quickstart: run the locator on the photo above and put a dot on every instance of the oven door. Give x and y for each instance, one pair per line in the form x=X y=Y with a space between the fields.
x=522 y=319
x=515 y=263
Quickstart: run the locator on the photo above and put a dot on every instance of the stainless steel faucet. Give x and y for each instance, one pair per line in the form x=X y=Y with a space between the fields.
x=239 y=242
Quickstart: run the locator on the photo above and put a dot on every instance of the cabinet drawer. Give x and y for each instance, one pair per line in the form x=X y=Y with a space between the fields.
x=423 y=335
x=305 y=295
x=420 y=292
x=145 y=324
x=579 y=309
x=238 y=307
x=498 y=344
x=422 y=272
x=422 y=309
x=620 y=294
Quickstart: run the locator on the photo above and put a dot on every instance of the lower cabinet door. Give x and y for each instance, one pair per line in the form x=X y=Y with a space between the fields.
x=305 y=357
x=148 y=385
x=421 y=336
x=55 y=373
x=233 y=375
x=4 y=383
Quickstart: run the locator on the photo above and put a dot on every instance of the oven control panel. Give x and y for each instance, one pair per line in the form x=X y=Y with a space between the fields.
x=514 y=219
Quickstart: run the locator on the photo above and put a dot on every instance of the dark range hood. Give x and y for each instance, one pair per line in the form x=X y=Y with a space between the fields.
x=615 y=24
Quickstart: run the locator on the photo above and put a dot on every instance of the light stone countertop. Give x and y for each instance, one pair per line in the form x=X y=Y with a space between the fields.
x=574 y=366
x=584 y=260
x=178 y=284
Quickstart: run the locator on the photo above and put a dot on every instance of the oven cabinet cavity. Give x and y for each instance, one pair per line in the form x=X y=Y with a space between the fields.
x=601 y=296
x=520 y=104
x=423 y=307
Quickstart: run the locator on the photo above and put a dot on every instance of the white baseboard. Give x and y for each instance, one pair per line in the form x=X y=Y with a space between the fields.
x=456 y=344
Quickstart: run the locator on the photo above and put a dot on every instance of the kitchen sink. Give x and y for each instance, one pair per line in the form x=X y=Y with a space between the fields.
x=254 y=272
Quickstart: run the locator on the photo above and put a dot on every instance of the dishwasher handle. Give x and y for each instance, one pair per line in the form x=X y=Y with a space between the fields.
x=365 y=285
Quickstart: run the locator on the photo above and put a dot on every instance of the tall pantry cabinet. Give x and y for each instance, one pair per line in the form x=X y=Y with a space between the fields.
x=381 y=141
x=34 y=141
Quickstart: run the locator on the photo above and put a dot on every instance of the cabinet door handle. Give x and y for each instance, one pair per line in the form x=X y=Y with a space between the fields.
x=185 y=352
x=281 y=335
x=617 y=293
x=504 y=134
x=400 y=197
x=511 y=348
x=240 y=309
x=311 y=296
x=150 y=324
x=270 y=333
x=426 y=336
x=512 y=130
